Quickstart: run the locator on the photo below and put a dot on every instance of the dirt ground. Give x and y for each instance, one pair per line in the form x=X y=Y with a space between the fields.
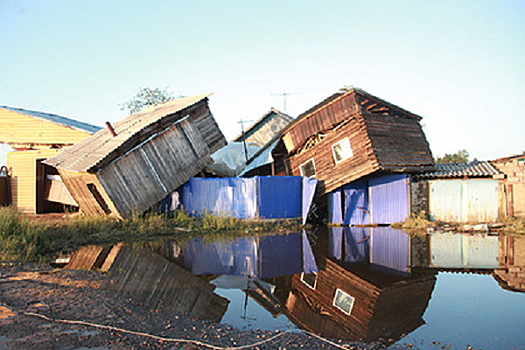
x=45 y=308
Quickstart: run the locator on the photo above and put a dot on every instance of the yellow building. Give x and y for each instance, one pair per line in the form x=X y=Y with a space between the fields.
x=35 y=136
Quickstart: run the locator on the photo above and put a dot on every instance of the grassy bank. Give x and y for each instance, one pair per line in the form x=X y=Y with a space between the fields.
x=25 y=240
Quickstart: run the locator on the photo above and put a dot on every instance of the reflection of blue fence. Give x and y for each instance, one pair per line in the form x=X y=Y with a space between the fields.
x=264 y=197
x=261 y=257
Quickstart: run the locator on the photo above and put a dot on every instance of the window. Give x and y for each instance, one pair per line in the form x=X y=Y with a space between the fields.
x=342 y=150
x=98 y=197
x=343 y=301
x=308 y=168
x=310 y=279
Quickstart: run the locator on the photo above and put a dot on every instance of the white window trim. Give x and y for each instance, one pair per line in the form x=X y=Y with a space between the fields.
x=313 y=163
x=309 y=286
x=337 y=306
x=340 y=142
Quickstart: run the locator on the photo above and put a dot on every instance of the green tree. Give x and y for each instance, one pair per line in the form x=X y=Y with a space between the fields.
x=146 y=97
x=460 y=156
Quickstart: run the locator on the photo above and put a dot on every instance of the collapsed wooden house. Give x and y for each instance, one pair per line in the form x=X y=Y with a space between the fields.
x=133 y=164
x=349 y=135
x=357 y=140
x=35 y=187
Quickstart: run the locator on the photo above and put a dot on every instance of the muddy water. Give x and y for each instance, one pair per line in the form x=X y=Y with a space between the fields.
x=360 y=284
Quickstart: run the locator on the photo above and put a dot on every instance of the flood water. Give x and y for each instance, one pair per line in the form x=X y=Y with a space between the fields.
x=356 y=284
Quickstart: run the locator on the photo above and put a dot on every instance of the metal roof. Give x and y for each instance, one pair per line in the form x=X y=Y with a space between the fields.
x=471 y=169
x=85 y=155
x=56 y=119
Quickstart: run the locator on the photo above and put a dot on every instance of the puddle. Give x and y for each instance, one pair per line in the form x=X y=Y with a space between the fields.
x=357 y=284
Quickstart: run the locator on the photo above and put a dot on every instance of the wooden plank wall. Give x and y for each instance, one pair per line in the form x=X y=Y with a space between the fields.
x=267 y=129
x=331 y=278
x=145 y=176
x=77 y=183
x=325 y=118
x=22 y=168
x=397 y=141
x=20 y=129
x=331 y=175
x=207 y=126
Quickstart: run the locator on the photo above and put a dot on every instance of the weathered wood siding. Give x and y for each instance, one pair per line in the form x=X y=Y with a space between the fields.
x=23 y=170
x=77 y=183
x=264 y=130
x=332 y=175
x=201 y=116
x=144 y=176
x=332 y=277
x=319 y=120
x=20 y=129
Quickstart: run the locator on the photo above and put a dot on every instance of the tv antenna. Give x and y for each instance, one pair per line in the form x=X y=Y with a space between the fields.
x=284 y=95
x=244 y=137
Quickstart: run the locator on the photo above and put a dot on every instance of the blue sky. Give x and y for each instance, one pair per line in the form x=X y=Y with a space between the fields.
x=458 y=64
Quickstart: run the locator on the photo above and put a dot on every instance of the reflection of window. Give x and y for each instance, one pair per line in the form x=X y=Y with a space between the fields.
x=310 y=279
x=308 y=168
x=342 y=150
x=343 y=301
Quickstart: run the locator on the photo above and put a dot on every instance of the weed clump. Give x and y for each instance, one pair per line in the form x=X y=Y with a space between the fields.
x=25 y=240
x=514 y=225
x=415 y=222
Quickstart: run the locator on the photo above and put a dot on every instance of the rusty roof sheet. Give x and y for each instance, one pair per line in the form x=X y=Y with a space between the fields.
x=88 y=153
x=460 y=170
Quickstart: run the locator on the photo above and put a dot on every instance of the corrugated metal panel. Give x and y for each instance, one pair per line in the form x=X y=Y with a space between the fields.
x=464 y=200
x=227 y=196
x=308 y=194
x=357 y=244
x=390 y=250
x=388 y=199
x=335 y=207
x=279 y=197
x=464 y=251
x=357 y=210
x=472 y=169
x=280 y=255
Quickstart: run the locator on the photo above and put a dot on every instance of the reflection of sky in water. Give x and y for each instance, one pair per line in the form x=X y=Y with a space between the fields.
x=255 y=316
x=472 y=310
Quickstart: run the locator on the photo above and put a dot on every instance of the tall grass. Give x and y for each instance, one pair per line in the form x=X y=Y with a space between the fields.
x=24 y=240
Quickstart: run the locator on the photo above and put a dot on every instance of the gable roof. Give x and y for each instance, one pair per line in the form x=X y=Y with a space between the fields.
x=253 y=128
x=55 y=119
x=88 y=154
x=459 y=170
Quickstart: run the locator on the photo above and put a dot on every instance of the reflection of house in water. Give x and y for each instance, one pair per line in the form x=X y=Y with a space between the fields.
x=363 y=290
x=154 y=281
x=511 y=272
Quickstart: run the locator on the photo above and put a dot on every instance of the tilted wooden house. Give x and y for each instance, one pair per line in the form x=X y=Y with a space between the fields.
x=35 y=136
x=132 y=165
x=349 y=135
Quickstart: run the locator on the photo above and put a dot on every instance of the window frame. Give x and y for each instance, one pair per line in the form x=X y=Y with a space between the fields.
x=313 y=165
x=308 y=284
x=340 y=142
x=346 y=295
